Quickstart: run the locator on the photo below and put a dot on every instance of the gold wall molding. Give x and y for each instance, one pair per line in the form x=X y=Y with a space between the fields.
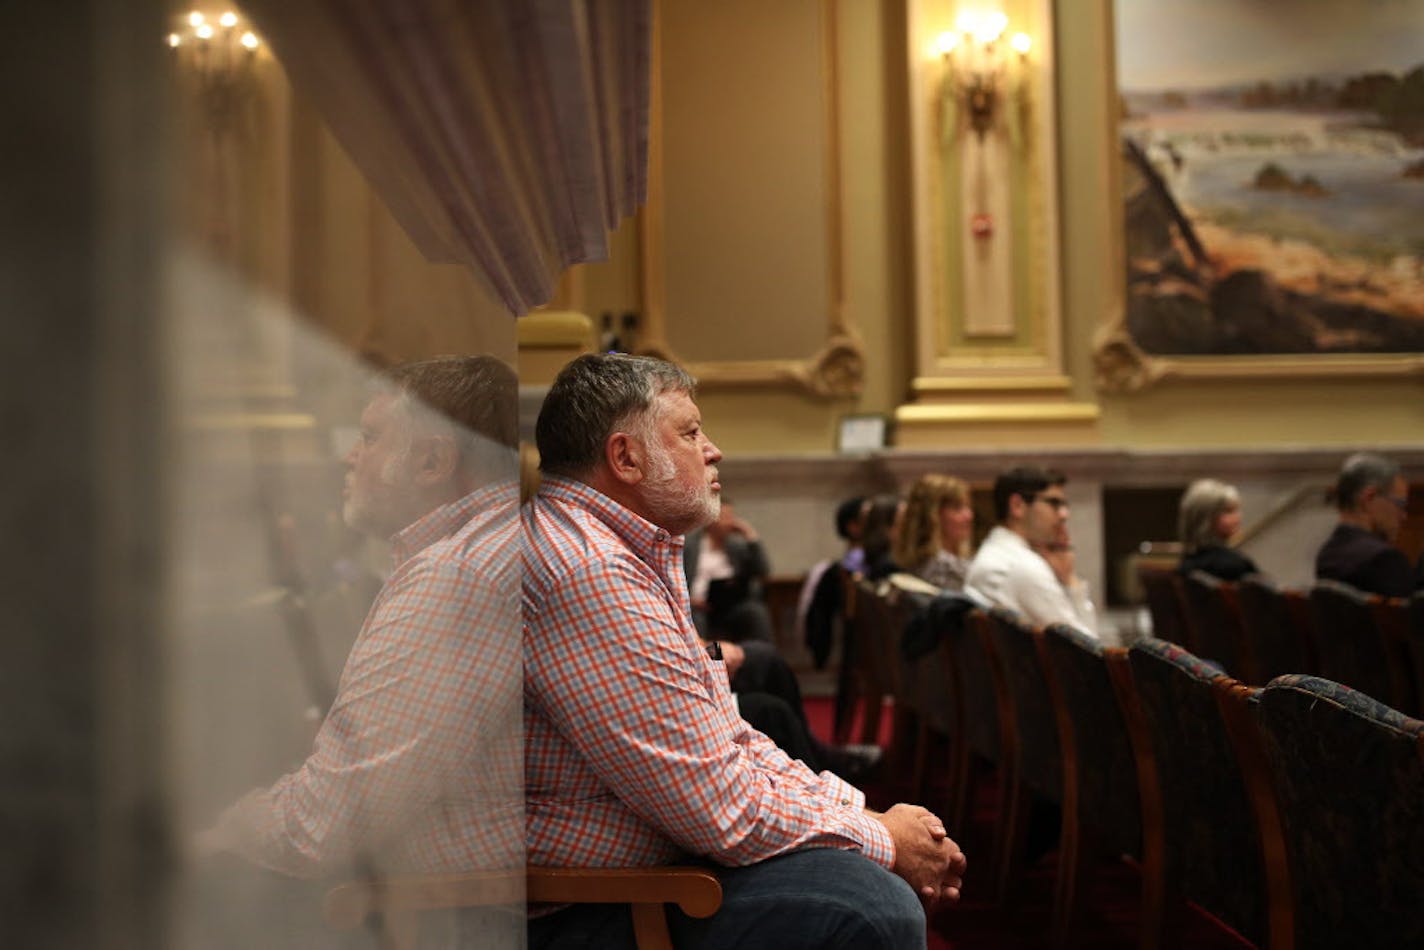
x=998 y=412
x=957 y=335
x=1121 y=367
x=837 y=368
x=1048 y=383
x=988 y=307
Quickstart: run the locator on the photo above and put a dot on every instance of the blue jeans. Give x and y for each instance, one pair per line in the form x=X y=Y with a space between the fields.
x=821 y=898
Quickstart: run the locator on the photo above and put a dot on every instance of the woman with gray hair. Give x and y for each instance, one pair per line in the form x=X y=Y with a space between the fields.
x=1208 y=517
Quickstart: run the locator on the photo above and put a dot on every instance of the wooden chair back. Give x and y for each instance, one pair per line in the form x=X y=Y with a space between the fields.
x=400 y=901
x=1238 y=704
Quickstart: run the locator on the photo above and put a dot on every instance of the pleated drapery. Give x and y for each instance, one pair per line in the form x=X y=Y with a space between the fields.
x=509 y=136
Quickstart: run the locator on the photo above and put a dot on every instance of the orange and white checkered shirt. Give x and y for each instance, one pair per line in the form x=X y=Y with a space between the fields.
x=634 y=751
x=416 y=767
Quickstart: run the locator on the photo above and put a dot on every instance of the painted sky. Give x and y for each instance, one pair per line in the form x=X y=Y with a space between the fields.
x=1204 y=43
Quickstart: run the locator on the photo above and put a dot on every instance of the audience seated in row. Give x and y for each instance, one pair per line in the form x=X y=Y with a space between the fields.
x=1372 y=497
x=1026 y=564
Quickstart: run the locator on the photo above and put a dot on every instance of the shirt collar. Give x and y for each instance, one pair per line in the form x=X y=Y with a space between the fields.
x=1003 y=535
x=449 y=518
x=646 y=540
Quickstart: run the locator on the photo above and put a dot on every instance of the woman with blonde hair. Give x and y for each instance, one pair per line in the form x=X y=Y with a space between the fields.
x=933 y=538
x=1208 y=517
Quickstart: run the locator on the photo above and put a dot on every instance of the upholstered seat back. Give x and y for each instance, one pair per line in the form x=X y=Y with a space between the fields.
x=1164 y=603
x=975 y=680
x=1212 y=846
x=1037 y=726
x=1352 y=649
x=1106 y=772
x=1349 y=776
x=1219 y=636
x=1272 y=627
x=927 y=678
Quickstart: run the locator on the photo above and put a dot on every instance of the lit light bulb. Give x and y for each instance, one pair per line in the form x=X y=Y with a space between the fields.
x=946 y=43
x=228 y=19
x=249 y=40
x=967 y=22
x=204 y=32
x=990 y=26
x=174 y=40
x=1021 y=43
x=195 y=19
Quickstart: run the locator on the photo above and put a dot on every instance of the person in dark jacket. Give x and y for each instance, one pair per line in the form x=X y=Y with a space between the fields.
x=1373 y=499
x=727 y=569
x=1208 y=518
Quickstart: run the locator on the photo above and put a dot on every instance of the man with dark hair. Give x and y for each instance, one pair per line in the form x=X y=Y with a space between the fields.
x=1373 y=499
x=635 y=755
x=416 y=765
x=850 y=520
x=1026 y=562
x=819 y=619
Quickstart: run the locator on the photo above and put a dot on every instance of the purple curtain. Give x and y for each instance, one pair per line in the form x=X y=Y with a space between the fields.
x=506 y=135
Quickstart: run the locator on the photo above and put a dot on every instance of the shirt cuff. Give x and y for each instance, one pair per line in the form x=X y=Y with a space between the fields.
x=842 y=793
x=875 y=841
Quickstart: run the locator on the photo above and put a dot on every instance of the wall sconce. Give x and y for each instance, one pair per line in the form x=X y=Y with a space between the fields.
x=220 y=52
x=979 y=66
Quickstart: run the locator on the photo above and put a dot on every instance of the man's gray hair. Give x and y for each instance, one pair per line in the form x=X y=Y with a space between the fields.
x=1360 y=471
x=473 y=398
x=1202 y=502
x=595 y=396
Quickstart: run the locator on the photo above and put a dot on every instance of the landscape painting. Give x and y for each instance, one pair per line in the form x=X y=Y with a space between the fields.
x=1273 y=175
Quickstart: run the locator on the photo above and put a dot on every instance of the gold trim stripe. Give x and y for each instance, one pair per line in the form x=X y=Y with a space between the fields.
x=992 y=413
x=965 y=384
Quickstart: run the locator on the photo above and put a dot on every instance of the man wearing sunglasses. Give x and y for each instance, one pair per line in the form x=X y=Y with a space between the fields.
x=1373 y=499
x=1026 y=562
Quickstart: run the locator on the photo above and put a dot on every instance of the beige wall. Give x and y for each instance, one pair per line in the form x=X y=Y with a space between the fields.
x=869 y=80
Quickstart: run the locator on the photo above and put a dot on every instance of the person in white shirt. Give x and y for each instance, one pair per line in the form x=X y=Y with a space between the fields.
x=1026 y=562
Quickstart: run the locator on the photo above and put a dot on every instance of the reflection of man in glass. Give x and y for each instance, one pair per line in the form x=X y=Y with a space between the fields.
x=417 y=767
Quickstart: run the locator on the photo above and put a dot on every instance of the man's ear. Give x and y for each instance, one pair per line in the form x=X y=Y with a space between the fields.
x=624 y=456
x=436 y=459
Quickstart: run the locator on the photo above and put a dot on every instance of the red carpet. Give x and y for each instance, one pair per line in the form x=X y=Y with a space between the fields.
x=1111 y=901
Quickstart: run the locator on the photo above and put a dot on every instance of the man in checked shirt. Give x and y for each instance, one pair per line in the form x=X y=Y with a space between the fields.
x=416 y=767
x=634 y=752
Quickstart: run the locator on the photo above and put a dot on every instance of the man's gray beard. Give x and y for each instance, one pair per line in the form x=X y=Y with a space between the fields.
x=366 y=518
x=675 y=509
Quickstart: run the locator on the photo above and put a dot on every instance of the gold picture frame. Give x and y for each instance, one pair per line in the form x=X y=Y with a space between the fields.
x=1120 y=365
